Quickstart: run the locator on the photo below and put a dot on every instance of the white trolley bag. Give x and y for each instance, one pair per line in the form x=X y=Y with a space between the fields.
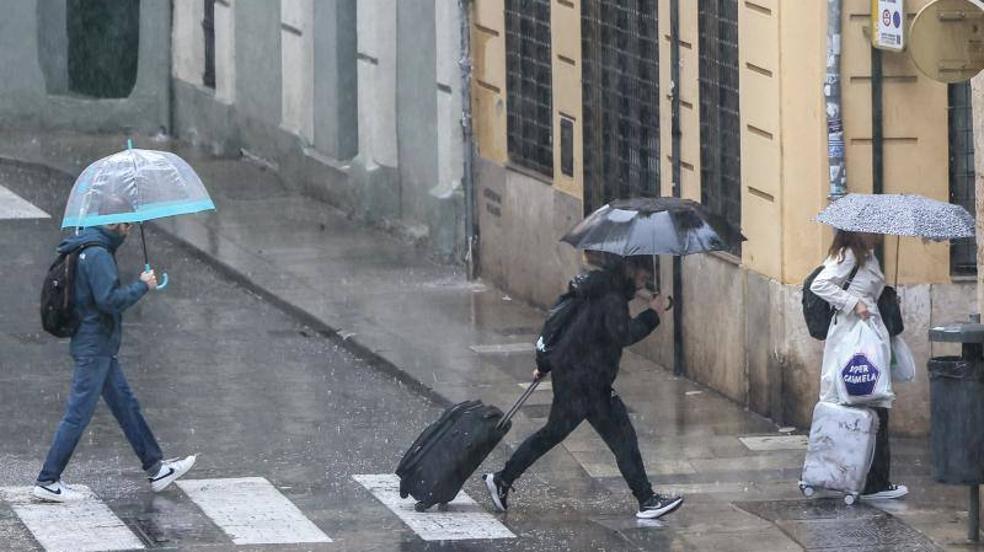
x=842 y=446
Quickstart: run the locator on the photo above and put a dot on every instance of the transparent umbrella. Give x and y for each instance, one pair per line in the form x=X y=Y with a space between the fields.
x=135 y=186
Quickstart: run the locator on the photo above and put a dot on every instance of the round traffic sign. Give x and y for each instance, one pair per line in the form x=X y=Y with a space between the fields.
x=946 y=40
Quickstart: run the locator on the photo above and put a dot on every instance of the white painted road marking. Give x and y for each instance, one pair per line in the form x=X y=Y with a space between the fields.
x=464 y=519
x=13 y=206
x=86 y=525
x=252 y=511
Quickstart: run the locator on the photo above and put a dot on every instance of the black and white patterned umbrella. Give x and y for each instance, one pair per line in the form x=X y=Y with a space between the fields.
x=899 y=215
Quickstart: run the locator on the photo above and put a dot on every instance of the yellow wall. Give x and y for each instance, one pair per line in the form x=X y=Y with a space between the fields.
x=488 y=54
x=782 y=48
x=804 y=137
x=689 y=101
x=915 y=131
x=566 y=52
x=784 y=158
x=761 y=134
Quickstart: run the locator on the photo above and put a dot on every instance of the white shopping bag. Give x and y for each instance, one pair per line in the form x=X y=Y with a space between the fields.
x=903 y=363
x=862 y=363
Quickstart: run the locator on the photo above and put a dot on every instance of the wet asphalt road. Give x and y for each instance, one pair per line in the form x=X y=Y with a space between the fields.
x=223 y=374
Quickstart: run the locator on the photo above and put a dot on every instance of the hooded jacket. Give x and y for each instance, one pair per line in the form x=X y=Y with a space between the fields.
x=590 y=350
x=99 y=298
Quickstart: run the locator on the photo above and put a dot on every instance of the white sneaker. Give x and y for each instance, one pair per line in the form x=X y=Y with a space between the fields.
x=893 y=491
x=170 y=471
x=56 y=492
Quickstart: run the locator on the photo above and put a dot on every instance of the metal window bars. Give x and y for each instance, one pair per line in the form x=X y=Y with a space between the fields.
x=720 y=128
x=529 y=88
x=620 y=87
x=963 y=253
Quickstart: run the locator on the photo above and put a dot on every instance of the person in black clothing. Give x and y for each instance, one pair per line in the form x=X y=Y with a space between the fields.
x=587 y=360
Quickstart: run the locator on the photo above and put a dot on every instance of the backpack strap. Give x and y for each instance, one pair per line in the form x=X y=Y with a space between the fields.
x=84 y=246
x=847 y=283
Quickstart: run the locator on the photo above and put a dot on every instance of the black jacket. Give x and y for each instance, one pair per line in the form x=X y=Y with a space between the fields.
x=590 y=350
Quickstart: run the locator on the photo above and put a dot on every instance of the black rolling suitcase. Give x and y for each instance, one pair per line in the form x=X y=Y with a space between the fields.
x=450 y=450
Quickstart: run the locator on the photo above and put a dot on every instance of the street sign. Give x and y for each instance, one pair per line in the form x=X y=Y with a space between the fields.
x=947 y=40
x=888 y=22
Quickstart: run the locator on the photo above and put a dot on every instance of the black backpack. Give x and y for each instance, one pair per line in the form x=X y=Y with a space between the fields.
x=558 y=318
x=58 y=315
x=891 y=311
x=816 y=311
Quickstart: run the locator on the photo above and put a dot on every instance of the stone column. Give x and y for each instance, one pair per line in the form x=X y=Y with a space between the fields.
x=977 y=87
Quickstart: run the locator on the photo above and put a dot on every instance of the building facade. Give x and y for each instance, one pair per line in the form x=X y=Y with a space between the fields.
x=574 y=106
x=99 y=65
x=355 y=102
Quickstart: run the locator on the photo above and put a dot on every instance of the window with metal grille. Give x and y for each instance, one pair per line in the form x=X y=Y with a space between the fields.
x=529 y=120
x=620 y=91
x=963 y=253
x=208 y=27
x=720 y=128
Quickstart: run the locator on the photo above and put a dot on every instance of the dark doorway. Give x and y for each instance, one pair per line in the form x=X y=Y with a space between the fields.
x=103 y=43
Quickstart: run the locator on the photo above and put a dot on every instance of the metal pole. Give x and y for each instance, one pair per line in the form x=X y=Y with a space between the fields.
x=832 y=94
x=467 y=137
x=143 y=242
x=877 y=139
x=679 y=367
x=974 y=514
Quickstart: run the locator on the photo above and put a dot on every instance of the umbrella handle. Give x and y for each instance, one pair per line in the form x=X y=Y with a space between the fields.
x=163 y=283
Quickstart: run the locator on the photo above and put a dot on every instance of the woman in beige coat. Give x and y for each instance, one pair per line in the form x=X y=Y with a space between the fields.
x=859 y=301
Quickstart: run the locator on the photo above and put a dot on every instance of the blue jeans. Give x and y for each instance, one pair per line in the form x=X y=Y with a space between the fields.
x=95 y=376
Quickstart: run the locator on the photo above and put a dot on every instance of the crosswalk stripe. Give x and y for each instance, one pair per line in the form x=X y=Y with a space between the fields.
x=13 y=206
x=252 y=511
x=464 y=520
x=86 y=525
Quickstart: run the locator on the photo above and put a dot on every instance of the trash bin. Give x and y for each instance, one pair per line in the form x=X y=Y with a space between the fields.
x=956 y=433
x=957 y=420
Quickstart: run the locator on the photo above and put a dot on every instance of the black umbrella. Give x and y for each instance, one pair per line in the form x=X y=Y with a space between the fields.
x=653 y=226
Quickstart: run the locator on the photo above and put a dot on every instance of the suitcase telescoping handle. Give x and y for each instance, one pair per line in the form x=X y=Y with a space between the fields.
x=519 y=403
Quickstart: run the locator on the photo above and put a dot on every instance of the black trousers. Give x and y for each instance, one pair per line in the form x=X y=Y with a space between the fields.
x=606 y=413
x=878 y=476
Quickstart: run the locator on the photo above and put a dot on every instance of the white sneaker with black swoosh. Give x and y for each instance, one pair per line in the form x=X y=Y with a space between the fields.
x=56 y=492
x=170 y=471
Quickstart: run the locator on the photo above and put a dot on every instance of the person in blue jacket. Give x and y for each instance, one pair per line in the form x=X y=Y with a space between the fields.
x=100 y=300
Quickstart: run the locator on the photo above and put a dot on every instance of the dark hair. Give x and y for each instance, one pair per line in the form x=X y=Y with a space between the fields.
x=603 y=259
x=640 y=262
x=849 y=240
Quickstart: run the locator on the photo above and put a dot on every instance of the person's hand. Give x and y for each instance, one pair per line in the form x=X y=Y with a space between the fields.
x=660 y=305
x=537 y=374
x=862 y=310
x=148 y=277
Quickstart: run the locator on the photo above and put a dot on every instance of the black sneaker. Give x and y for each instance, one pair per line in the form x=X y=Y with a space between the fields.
x=658 y=506
x=497 y=490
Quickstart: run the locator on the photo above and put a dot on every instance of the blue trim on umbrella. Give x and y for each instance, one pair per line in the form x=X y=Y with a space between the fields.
x=149 y=212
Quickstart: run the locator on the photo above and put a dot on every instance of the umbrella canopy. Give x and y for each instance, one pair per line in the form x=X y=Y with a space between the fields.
x=135 y=185
x=653 y=226
x=899 y=215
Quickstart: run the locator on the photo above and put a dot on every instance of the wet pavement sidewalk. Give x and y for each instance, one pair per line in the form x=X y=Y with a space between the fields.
x=459 y=340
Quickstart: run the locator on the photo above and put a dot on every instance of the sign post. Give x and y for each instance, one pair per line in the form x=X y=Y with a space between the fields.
x=888 y=25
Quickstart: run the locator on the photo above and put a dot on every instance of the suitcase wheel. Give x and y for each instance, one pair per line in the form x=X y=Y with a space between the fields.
x=421 y=507
x=850 y=499
x=807 y=490
x=442 y=507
